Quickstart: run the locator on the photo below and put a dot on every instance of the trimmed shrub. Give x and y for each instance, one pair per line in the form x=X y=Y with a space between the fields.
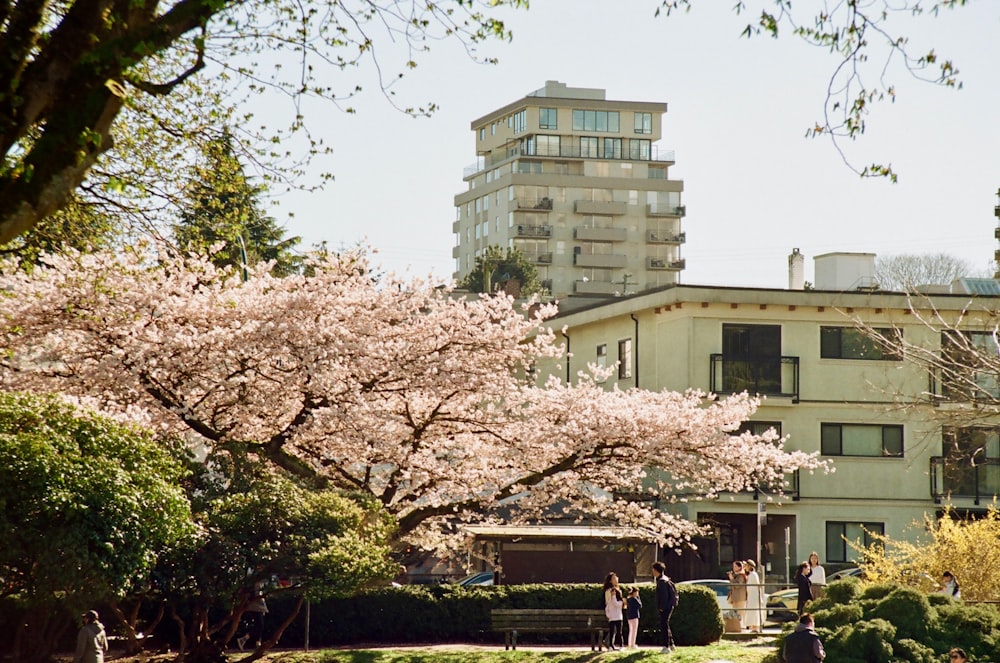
x=909 y=612
x=877 y=592
x=838 y=615
x=913 y=651
x=975 y=625
x=697 y=619
x=868 y=640
x=449 y=613
x=843 y=591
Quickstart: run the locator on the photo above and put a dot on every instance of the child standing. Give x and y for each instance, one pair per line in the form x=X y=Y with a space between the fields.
x=632 y=607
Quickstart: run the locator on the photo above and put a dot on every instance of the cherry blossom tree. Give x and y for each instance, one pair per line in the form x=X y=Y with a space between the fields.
x=396 y=389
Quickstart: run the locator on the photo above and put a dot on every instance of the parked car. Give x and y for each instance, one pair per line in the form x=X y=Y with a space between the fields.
x=720 y=587
x=481 y=578
x=852 y=572
x=782 y=605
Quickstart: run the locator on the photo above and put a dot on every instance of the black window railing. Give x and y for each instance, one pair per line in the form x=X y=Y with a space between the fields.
x=976 y=479
x=767 y=376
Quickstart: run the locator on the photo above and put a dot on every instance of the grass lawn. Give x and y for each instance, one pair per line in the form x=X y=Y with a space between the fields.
x=736 y=653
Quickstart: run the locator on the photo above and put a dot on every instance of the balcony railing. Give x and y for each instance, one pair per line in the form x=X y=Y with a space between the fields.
x=586 y=234
x=964 y=386
x=663 y=209
x=524 y=230
x=541 y=258
x=767 y=376
x=564 y=151
x=534 y=204
x=666 y=237
x=789 y=486
x=958 y=477
x=608 y=260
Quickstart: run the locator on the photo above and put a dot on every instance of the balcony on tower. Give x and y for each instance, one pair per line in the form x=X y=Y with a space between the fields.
x=661 y=237
x=526 y=230
x=590 y=234
x=665 y=209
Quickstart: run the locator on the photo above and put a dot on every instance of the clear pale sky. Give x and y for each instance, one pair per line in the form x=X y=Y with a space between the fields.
x=738 y=111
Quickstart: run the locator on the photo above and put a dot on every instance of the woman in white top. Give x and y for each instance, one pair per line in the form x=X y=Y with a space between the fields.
x=950 y=586
x=755 y=597
x=613 y=610
x=817 y=576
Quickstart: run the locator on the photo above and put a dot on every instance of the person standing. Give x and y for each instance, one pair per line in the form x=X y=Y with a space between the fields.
x=803 y=644
x=755 y=597
x=817 y=576
x=957 y=655
x=633 y=606
x=613 y=610
x=802 y=581
x=254 y=613
x=91 y=641
x=950 y=587
x=666 y=600
x=738 y=589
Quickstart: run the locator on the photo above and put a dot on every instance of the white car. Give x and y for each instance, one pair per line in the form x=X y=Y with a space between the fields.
x=720 y=587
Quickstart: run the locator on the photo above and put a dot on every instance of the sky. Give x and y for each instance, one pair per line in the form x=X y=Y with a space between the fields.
x=754 y=186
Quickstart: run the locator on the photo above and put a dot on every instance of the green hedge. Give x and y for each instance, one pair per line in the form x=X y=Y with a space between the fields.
x=448 y=613
x=887 y=624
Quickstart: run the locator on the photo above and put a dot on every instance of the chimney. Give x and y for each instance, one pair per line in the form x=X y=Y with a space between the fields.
x=796 y=271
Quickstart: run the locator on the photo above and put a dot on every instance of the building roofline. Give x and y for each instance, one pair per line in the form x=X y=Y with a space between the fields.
x=563 y=102
x=681 y=293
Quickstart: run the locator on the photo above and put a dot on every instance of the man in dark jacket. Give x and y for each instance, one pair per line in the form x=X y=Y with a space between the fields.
x=666 y=599
x=803 y=645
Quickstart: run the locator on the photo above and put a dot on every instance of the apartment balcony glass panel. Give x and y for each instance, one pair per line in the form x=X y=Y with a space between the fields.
x=600 y=234
x=604 y=208
x=660 y=237
x=605 y=260
x=571 y=149
x=665 y=264
x=665 y=209
x=967 y=371
x=596 y=287
x=961 y=478
x=525 y=230
x=767 y=376
x=543 y=204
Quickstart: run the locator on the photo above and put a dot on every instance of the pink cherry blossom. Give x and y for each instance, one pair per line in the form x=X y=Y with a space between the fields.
x=394 y=388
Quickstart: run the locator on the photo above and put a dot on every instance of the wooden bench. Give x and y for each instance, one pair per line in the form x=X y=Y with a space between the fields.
x=514 y=621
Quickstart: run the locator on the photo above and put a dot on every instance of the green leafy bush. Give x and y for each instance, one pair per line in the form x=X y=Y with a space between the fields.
x=838 y=615
x=913 y=651
x=877 y=592
x=449 y=613
x=868 y=640
x=843 y=591
x=908 y=611
x=697 y=619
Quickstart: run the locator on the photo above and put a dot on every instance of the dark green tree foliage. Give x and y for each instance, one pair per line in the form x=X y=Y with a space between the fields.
x=223 y=206
x=87 y=505
x=497 y=271
x=298 y=542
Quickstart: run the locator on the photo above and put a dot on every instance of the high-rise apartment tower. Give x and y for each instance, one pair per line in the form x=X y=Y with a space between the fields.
x=578 y=185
